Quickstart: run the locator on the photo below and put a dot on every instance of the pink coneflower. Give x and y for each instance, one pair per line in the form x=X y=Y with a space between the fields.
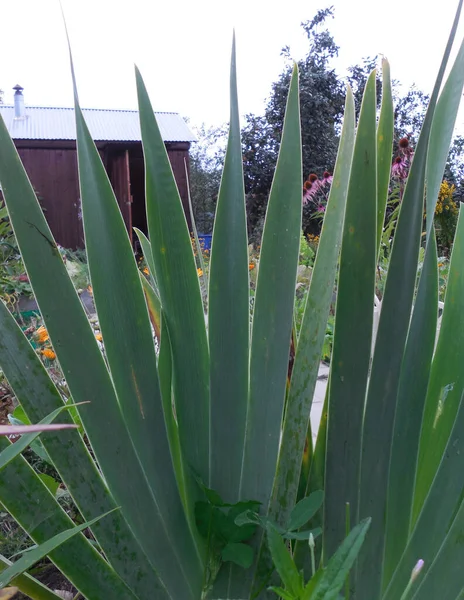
x=403 y=143
x=328 y=178
x=399 y=168
x=313 y=177
x=320 y=208
x=310 y=190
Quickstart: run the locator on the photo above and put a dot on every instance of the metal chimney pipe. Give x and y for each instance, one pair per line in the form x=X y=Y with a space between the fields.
x=18 y=102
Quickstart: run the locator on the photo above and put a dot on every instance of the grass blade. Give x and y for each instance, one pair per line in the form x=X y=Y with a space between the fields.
x=353 y=330
x=179 y=292
x=229 y=316
x=31 y=432
x=40 y=515
x=384 y=148
x=35 y=554
x=28 y=585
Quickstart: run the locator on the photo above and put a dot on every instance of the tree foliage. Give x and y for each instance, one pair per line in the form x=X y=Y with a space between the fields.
x=322 y=97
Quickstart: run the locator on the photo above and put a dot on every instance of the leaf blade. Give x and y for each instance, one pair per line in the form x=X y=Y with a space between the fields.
x=228 y=316
x=353 y=324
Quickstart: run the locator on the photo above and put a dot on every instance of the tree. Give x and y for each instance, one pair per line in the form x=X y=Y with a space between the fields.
x=322 y=100
x=206 y=160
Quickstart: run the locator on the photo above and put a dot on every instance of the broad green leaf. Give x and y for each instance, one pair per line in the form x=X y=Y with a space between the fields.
x=240 y=554
x=39 y=397
x=273 y=311
x=384 y=148
x=179 y=292
x=311 y=585
x=15 y=449
x=36 y=445
x=32 y=556
x=442 y=131
x=229 y=317
x=302 y=535
x=389 y=349
x=412 y=391
x=305 y=510
x=338 y=567
x=353 y=329
x=311 y=338
x=446 y=376
x=283 y=563
x=51 y=483
x=435 y=521
x=282 y=593
x=31 y=504
x=28 y=585
x=130 y=351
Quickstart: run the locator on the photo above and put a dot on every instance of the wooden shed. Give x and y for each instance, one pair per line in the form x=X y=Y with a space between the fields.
x=46 y=142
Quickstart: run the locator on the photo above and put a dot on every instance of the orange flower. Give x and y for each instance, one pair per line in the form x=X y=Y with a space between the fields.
x=90 y=290
x=146 y=271
x=48 y=353
x=41 y=335
x=99 y=337
x=251 y=266
x=200 y=272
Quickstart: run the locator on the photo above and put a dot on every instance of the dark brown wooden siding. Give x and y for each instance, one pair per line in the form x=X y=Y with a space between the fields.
x=179 y=159
x=53 y=174
x=52 y=169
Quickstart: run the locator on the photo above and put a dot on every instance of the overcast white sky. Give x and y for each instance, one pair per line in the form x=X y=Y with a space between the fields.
x=183 y=48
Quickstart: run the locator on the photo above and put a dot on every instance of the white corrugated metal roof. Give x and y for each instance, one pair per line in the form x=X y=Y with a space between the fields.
x=41 y=123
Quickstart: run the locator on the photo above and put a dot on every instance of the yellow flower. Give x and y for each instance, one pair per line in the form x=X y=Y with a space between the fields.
x=90 y=290
x=440 y=264
x=200 y=272
x=251 y=266
x=41 y=335
x=48 y=353
x=146 y=271
x=99 y=337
